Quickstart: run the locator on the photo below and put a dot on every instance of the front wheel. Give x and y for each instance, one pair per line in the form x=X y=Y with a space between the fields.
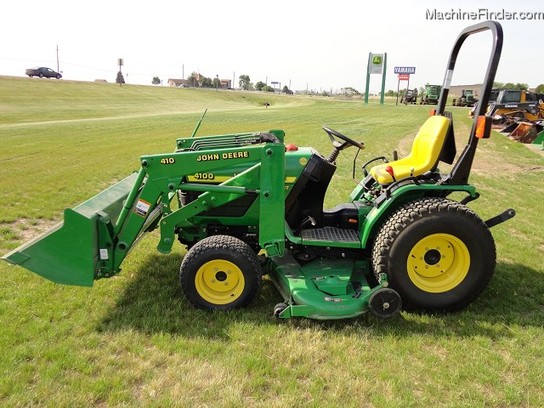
x=220 y=273
x=437 y=253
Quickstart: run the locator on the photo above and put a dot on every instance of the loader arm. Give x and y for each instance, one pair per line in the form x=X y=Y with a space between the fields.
x=97 y=236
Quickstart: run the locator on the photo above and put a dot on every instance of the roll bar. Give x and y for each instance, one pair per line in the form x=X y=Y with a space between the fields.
x=461 y=169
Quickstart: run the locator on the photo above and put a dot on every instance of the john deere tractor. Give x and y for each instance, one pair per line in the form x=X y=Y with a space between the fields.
x=247 y=204
x=467 y=98
x=430 y=95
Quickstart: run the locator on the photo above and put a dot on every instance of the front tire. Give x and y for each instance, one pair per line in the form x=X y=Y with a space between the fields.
x=220 y=273
x=437 y=253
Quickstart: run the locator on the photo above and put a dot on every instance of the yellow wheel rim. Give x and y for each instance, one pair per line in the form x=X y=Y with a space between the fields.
x=438 y=263
x=219 y=282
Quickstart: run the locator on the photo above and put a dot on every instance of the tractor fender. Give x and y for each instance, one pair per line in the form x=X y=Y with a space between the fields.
x=389 y=201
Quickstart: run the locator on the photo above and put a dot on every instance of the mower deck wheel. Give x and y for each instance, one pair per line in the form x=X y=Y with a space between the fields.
x=385 y=303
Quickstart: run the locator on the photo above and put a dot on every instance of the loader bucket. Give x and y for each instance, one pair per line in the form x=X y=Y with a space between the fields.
x=525 y=132
x=69 y=253
x=509 y=128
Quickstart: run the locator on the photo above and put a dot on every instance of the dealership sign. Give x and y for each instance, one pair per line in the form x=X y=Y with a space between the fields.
x=404 y=70
x=376 y=63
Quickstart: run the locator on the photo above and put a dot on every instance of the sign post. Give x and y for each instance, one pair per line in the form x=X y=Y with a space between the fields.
x=377 y=64
x=120 y=74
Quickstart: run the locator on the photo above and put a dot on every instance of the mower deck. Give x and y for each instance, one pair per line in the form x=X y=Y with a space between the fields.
x=324 y=289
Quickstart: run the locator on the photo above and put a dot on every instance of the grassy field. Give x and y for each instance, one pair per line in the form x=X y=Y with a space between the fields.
x=133 y=340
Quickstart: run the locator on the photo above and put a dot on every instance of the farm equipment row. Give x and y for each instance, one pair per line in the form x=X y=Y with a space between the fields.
x=518 y=114
x=429 y=95
x=247 y=204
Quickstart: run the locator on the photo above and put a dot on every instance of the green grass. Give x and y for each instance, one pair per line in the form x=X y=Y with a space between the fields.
x=133 y=340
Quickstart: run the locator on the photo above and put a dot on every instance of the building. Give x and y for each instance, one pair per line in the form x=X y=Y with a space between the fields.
x=225 y=83
x=185 y=83
x=178 y=83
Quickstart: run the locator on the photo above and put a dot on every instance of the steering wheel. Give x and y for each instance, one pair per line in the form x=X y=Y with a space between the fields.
x=347 y=141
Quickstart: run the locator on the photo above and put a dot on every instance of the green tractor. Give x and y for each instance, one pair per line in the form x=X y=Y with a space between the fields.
x=467 y=98
x=430 y=95
x=247 y=204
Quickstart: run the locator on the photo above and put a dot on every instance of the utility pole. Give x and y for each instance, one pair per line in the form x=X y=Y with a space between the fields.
x=58 y=67
x=120 y=74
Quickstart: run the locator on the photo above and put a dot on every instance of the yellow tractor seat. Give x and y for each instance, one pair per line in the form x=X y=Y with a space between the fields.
x=424 y=156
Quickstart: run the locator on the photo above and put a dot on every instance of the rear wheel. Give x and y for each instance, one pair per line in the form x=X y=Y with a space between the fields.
x=437 y=253
x=220 y=273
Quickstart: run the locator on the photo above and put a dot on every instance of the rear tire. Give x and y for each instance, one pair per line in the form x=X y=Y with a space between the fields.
x=437 y=254
x=220 y=273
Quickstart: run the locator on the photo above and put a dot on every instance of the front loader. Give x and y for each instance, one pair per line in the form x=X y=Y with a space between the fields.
x=247 y=204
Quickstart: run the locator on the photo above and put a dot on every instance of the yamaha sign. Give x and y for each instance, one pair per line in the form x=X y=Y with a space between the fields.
x=404 y=70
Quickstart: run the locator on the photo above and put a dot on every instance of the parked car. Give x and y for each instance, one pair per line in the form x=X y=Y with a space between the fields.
x=43 y=72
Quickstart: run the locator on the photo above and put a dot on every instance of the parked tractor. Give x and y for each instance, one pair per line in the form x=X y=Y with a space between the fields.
x=248 y=204
x=409 y=97
x=467 y=98
x=430 y=95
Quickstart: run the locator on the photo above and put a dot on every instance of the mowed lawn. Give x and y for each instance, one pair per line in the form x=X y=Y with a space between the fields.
x=133 y=340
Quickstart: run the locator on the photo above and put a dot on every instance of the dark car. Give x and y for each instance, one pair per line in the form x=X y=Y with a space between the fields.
x=43 y=72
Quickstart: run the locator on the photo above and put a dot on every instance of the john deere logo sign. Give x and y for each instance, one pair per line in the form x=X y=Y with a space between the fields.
x=376 y=63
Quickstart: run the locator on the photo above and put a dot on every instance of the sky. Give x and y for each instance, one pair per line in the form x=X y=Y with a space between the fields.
x=315 y=45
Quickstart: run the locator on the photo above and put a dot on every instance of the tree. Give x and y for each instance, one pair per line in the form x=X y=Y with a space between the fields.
x=286 y=90
x=206 y=82
x=540 y=88
x=120 y=79
x=156 y=81
x=193 y=79
x=268 y=88
x=510 y=85
x=245 y=82
x=259 y=86
x=498 y=85
x=349 y=91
